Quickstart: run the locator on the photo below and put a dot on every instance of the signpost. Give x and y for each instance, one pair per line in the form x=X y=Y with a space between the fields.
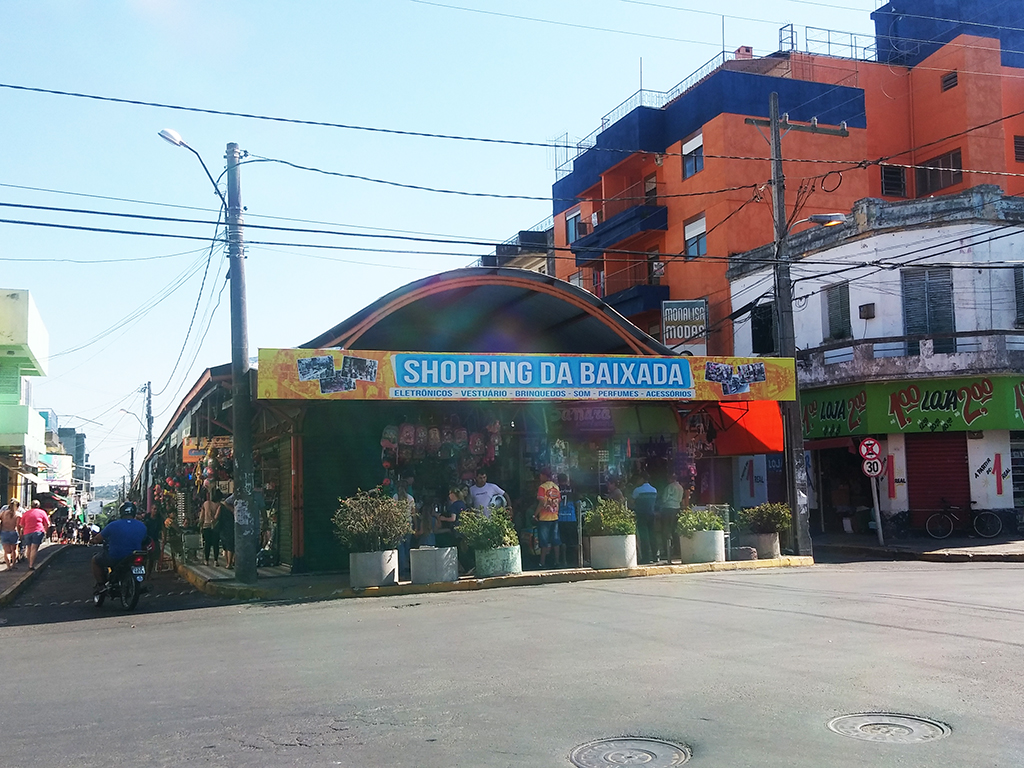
x=870 y=451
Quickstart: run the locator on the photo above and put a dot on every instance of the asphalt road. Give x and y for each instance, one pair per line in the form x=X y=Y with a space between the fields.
x=745 y=668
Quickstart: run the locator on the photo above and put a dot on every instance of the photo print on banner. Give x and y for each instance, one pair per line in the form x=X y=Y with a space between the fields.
x=735 y=380
x=336 y=380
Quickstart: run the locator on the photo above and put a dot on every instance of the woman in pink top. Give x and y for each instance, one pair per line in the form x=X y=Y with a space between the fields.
x=34 y=525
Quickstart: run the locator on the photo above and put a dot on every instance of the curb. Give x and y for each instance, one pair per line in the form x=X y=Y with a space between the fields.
x=240 y=592
x=935 y=556
x=8 y=595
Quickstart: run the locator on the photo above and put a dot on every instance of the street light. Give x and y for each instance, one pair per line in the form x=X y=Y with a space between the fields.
x=822 y=219
x=246 y=533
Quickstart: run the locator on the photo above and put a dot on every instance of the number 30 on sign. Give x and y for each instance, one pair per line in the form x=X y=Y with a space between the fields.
x=872 y=467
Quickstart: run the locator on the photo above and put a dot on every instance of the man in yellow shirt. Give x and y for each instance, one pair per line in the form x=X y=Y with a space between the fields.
x=548 y=500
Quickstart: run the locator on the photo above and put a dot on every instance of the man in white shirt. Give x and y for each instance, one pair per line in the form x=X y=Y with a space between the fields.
x=481 y=493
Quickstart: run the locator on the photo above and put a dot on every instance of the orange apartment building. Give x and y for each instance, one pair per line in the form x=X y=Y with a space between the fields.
x=656 y=203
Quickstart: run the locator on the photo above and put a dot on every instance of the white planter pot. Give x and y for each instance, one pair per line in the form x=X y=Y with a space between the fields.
x=608 y=552
x=766 y=544
x=704 y=547
x=503 y=561
x=433 y=564
x=373 y=569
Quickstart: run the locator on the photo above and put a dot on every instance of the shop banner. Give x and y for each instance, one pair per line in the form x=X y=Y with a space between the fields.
x=330 y=374
x=927 y=405
x=57 y=468
x=194 y=449
x=684 y=325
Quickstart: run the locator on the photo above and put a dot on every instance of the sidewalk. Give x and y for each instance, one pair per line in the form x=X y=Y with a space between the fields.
x=13 y=582
x=1007 y=548
x=280 y=584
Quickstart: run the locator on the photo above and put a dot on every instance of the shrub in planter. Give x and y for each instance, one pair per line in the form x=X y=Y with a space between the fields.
x=765 y=521
x=609 y=518
x=766 y=518
x=482 y=532
x=691 y=521
x=611 y=529
x=494 y=542
x=701 y=536
x=371 y=521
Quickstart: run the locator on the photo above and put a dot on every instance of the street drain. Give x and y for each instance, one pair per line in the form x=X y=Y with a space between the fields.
x=652 y=753
x=889 y=728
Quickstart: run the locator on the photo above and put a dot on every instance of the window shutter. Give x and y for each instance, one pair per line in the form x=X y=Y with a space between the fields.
x=928 y=306
x=762 y=329
x=839 y=324
x=1018 y=293
x=940 y=307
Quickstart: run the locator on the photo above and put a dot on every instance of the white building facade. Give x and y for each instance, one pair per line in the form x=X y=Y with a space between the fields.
x=910 y=328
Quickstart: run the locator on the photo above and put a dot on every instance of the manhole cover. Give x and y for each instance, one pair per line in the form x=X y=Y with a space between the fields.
x=652 y=753
x=889 y=728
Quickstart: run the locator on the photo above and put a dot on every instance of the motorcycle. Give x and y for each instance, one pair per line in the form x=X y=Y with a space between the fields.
x=124 y=582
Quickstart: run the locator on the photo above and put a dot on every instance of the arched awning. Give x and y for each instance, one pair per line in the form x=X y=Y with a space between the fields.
x=491 y=310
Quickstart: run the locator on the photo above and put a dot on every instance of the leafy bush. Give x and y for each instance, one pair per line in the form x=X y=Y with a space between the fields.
x=480 y=532
x=371 y=521
x=690 y=521
x=609 y=518
x=766 y=518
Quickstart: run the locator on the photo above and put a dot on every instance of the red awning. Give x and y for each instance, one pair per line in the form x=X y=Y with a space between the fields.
x=747 y=427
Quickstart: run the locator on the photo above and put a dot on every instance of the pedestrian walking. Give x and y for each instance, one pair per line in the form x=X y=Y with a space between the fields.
x=34 y=525
x=226 y=530
x=9 y=532
x=548 y=500
x=645 y=499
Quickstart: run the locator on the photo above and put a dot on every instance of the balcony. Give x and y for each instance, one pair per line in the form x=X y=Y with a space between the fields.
x=640 y=208
x=909 y=357
x=22 y=432
x=24 y=341
x=633 y=288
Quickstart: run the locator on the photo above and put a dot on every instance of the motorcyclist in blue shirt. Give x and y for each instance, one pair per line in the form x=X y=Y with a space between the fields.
x=120 y=538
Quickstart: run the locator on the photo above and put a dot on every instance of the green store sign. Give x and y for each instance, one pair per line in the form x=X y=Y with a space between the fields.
x=933 y=405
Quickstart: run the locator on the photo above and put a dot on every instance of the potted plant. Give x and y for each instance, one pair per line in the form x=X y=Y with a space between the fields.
x=701 y=536
x=764 y=522
x=370 y=525
x=494 y=542
x=611 y=527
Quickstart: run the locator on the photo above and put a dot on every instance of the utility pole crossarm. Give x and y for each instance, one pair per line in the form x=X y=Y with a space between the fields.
x=787 y=126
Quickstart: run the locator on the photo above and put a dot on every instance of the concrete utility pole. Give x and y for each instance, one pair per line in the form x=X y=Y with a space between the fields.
x=785 y=333
x=149 y=416
x=246 y=525
x=131 y=465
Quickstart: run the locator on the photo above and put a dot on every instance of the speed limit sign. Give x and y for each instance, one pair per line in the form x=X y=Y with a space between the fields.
x=872 y=467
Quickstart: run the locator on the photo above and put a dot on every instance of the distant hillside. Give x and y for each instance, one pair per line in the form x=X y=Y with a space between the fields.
x=106 y=492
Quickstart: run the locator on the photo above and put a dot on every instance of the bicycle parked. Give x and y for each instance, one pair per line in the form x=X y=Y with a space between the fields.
x=941 y=524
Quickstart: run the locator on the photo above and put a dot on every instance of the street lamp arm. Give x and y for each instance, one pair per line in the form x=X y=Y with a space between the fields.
x=174 y=138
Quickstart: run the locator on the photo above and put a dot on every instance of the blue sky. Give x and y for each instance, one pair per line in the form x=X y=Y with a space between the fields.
x=426 y=67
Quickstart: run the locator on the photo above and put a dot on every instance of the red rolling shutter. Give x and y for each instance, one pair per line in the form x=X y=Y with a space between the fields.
x=936 y=470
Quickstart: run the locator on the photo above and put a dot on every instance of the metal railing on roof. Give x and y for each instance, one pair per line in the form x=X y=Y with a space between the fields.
x=822 y=42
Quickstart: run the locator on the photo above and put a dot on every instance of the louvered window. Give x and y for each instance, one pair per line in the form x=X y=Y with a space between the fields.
x=1018 y=148
x=928 y=307
x=1018 y=293
x=939 y=172
x=762 y=329
x=894 y=181
x=949 y=80
x=837 y=298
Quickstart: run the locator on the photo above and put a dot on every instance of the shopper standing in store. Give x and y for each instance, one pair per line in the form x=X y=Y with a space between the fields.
x=568 y=533
x=671 y=504
x=645 y=499
x=548 y=500
x=482 y=492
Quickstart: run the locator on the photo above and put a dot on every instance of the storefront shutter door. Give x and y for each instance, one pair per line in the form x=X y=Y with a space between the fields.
x=936 y=470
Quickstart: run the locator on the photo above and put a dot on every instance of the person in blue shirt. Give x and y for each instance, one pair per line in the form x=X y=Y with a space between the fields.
x=120 y=538
x=645 y=498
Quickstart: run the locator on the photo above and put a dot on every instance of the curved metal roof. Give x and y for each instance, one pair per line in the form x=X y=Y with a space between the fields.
x=482 y=309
